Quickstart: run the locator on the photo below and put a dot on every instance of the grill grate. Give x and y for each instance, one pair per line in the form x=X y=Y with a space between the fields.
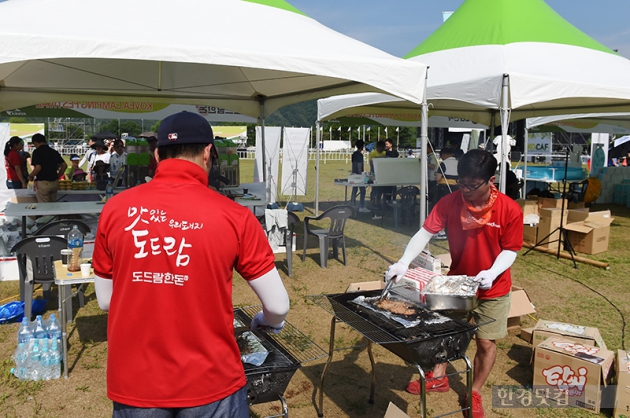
x=291 y=339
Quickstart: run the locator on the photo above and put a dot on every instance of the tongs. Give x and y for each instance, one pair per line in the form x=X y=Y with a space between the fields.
x=388 y=286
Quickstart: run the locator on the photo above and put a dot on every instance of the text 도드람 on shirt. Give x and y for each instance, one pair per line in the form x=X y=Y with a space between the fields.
x=152 y=246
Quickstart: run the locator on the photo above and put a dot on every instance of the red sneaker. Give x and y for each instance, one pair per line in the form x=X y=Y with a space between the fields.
x=439 y=384
x=477 y=406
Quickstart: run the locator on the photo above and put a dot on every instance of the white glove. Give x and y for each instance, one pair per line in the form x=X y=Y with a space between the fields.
x=259 y=323
x=396 y=272
x=485 y=279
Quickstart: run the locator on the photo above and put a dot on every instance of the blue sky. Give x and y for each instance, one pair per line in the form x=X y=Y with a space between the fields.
x=397 y=26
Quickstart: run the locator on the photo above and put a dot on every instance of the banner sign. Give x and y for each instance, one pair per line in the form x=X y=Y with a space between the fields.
x=539 y=144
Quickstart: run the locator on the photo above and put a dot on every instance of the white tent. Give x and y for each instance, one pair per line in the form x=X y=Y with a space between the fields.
x=494 y=61
x=251 y=57
x=610 y=123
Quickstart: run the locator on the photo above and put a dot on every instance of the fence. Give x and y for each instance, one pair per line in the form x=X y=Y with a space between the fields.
x=338 y=155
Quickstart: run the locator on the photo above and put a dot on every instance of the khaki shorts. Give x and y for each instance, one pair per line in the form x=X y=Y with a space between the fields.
x=497 y=309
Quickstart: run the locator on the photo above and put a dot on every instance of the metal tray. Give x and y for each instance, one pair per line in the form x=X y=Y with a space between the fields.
x=453 y=303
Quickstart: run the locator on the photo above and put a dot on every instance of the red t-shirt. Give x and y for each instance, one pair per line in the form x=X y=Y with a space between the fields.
x=170 y=246
x=10 y=161
x=475 y=250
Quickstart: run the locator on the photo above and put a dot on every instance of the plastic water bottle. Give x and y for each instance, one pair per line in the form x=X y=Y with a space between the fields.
x=54 y=330
x=75 y=243
x=36 y=361
x=24 y=333
x=109 y=191
x=45 y=361
x=55 y=361
x=40 y=331
x=21 y=357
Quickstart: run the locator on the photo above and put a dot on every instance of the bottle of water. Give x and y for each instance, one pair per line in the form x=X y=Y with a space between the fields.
x=20 y=357
x=45 y=361
x=75 y=243
x=54 y=330
x=24 y=333
x=109 y=191
x=55 y=361
x=36 y=361
x=40 y=331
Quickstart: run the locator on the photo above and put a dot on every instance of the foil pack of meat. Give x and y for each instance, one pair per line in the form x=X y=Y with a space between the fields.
x=252 y=350
x=452 y=286
x=404 y=312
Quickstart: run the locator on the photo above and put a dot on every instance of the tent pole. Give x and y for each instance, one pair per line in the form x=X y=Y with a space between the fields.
x=423 y=154
x=525 y=162
x=505 y=119
x=318 y=125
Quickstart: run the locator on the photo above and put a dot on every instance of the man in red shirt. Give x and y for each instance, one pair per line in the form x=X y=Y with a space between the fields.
x=485 y=231
x=163 y=261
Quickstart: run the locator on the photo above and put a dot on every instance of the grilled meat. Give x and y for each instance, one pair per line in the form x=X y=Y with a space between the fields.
x=396 y=307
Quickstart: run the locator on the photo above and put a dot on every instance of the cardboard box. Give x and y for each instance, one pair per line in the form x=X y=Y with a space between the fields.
x=547 y=202
x=574 y=374
x=520 y=305
x=426 y=261
x=578 y=333
x=549 y=222
x=394 y=412
x=622 y=382
x=592 y=235
x=528 y=207
x=530 y=233
x=526 y=334
x=363 y=286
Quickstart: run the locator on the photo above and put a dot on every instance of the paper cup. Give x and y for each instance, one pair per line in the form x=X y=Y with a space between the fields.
x=86 y=269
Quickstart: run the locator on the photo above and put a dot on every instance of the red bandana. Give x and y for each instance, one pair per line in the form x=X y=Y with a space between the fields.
x=476 y=218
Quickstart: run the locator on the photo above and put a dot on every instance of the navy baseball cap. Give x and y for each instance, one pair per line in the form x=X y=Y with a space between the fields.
x=184 y=128
x=75 y=157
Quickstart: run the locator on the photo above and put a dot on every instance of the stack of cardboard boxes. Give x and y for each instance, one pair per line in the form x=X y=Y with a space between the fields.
x=573 y=367
x=588 y=232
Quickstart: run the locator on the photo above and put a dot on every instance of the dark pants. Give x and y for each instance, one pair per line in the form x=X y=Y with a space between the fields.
x=233 y=406
x=353 y=196
x=14 y=184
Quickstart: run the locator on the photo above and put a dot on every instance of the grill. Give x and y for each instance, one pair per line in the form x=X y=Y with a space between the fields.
x=424 y=344
x=287 y=351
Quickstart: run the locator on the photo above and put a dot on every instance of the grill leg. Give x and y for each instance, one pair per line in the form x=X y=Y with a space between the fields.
x=469 y=383
x=369 y=350
x=331 y=350
x=285 y=407
x=423 y=392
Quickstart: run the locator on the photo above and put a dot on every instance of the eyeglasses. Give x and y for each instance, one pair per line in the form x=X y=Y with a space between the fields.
x=470 y=188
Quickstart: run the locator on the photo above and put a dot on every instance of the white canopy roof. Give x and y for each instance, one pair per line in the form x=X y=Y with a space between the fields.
x=552 y=67
x=230 y=53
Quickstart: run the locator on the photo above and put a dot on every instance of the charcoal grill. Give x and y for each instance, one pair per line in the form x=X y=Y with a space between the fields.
x=423 y=345
x=287 y=351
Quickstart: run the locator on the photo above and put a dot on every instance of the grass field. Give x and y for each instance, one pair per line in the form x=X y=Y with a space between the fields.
x=586 y=296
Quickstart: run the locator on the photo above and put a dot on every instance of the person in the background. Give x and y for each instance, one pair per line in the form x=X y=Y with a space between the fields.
x=74 y=166
x=49 y=165
x=79 y=175
x=13 y=163
x=390 y=151
x=117 y=161
x=101 y=175
x=89 y=156
x=357 y=168
x=377 y=192
x=184 y=360
x=152 y=141
x=485 y=232
x=27 y=167
x=410 y=154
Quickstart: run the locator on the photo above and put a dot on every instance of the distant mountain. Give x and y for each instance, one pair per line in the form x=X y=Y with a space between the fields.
x=298 y=115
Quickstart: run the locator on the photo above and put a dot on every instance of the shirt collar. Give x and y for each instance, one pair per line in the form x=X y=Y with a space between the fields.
x=176 y=170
